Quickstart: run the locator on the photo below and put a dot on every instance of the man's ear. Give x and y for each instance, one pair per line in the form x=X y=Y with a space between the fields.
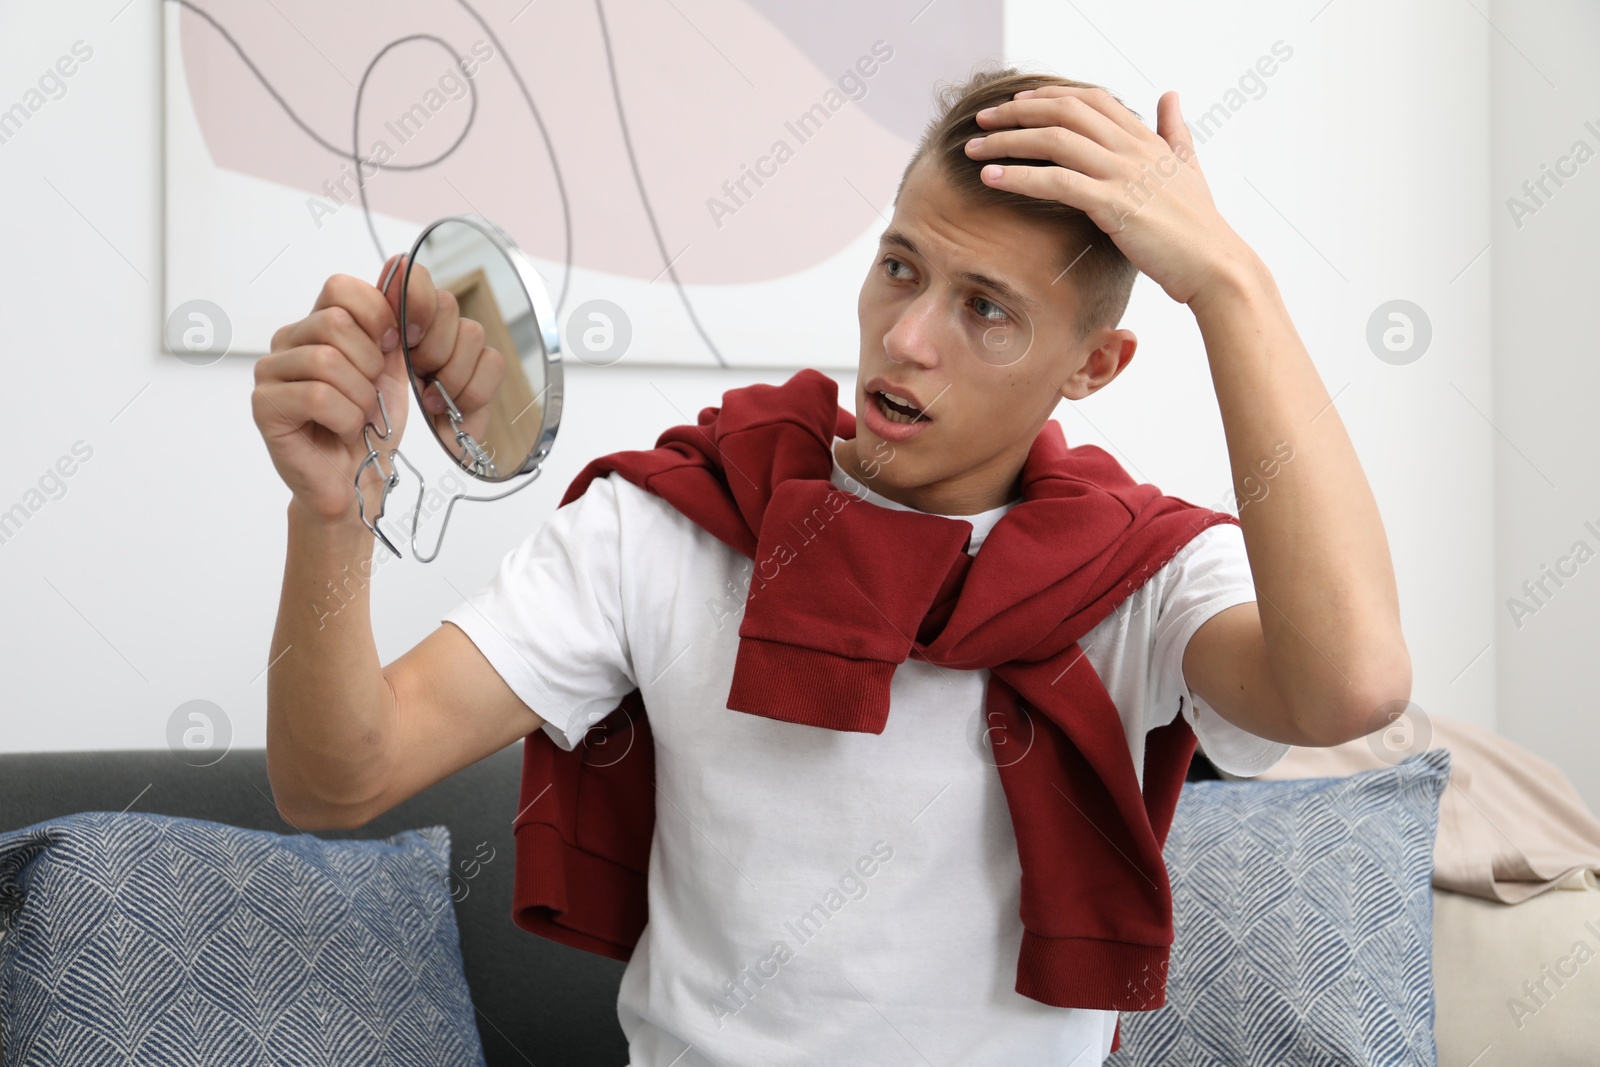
x=1108 y=352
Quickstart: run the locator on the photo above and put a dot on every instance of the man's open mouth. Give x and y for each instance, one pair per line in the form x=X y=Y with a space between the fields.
x=897 y=408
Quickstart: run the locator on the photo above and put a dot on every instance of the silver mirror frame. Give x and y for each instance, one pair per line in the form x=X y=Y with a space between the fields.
x=549 y=337
x=543 y=313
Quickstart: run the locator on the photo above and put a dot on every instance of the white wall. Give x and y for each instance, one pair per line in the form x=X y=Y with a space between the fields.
x=1546 y=381
x=1362 y=173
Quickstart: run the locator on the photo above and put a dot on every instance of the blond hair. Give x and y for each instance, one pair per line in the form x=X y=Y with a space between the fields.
x=1101 y=275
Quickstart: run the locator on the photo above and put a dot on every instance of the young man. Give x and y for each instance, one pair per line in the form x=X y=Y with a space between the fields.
x=858 y=894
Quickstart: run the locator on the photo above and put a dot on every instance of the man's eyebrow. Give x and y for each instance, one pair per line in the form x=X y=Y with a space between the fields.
x=1002 y=289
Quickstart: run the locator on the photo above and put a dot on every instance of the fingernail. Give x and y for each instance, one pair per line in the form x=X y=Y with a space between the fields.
x=1024 y=93
x=993 y=173
x=976 y=142
x=413 y=333
x=391 y=337
x=986 y=113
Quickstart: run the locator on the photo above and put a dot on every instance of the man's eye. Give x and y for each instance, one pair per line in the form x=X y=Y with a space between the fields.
x=998 y=315
x=890 y=263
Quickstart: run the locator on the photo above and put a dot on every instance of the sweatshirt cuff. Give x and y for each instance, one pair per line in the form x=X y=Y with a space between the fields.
x=612 y=897
x=810 y=686
x=1092 y=972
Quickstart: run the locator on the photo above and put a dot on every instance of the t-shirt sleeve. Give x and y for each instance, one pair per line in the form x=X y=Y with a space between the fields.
x=550 y=621
x=1209 y=574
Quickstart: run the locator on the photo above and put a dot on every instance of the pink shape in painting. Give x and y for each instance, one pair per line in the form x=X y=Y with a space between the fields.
x=764 y=138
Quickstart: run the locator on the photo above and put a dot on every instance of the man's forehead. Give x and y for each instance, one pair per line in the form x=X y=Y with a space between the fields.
x=927 y=195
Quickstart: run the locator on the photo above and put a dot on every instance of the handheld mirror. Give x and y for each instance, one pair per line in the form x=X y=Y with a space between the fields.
x=496 y=418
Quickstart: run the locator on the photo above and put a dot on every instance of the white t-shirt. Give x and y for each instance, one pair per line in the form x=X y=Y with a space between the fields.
x=820 y=896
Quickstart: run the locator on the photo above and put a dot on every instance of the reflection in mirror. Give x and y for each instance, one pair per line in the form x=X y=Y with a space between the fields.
x=488 y=380
x=488 y=415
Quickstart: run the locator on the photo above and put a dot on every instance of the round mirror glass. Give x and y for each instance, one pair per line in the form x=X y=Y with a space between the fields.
x=491 y=387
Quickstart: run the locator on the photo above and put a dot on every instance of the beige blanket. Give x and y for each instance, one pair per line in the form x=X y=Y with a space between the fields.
x=1511 y=825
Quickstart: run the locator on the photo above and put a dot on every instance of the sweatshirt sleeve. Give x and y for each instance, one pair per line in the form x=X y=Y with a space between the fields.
x=550 y=621
x=1210 y=573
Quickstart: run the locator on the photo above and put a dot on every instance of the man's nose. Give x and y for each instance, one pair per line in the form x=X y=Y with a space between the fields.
x=911 y=338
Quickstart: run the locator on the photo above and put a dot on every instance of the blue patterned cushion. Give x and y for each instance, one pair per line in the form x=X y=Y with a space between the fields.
x=128 y=938
x=1303 y=923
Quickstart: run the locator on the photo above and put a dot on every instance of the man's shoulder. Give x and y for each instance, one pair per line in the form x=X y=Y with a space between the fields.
x=1219 y=541
x=639 y=512
x=1213 y=557
x=1217 y=551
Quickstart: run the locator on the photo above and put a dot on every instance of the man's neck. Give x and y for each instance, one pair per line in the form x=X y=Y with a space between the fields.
x=972 y=492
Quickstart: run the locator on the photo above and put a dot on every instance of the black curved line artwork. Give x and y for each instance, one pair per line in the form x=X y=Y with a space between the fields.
x=353 y=156
x=549 y=148
x=638 y=181
x=355 y=131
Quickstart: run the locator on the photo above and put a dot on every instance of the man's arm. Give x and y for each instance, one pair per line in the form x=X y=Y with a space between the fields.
x=1321 y=651
x=1324 y=651
x=347 y=739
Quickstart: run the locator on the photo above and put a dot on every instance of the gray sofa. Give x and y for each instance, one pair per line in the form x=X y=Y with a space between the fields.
x=538 y=1002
